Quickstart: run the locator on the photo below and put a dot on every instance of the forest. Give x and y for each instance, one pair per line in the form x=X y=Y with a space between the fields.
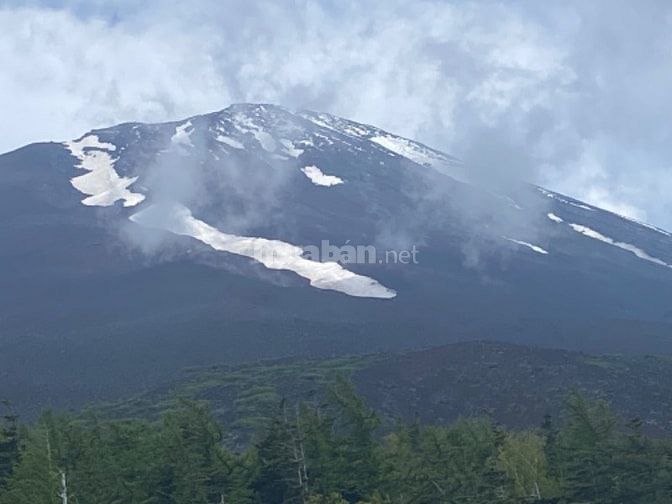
x=332 y=451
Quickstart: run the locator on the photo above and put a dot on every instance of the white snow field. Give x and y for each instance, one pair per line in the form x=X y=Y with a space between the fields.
x=273 y=254
x=102 y=184
x=182 y=135
x=320 y=179
x=229 y=141
x=535 y=248
x=412 y=150
x=590 y=233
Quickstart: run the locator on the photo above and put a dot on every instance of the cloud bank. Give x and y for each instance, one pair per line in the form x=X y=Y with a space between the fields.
x=571 y=95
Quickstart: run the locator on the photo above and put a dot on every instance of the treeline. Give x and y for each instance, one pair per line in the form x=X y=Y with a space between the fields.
x=332 y=453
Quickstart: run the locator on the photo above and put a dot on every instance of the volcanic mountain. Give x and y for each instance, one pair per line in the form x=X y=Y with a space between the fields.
x=256 y=231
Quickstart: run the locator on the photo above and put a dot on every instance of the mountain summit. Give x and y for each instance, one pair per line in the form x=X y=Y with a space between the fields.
x=256 y=231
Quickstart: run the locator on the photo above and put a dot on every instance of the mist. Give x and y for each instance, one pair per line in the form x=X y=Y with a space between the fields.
x=572 y=95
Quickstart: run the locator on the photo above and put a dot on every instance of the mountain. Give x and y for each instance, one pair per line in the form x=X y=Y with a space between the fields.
x=137 y=250
x=517 y=386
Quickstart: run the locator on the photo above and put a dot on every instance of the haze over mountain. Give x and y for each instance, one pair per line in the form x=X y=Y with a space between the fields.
x=139 y=249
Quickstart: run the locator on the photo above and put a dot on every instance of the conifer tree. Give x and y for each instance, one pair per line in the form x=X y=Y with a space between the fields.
x=522 y=457
x=586 y=452
x=9 y=444
x=35 y=478
x=280 y=475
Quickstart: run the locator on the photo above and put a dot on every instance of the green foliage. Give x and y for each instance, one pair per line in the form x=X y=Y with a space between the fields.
x=35 y=479
x=9 y=444
x=282 y=476
x=326 y=499
x=332 y=452
x=444 y=464
x=601 y=465
x=340 y=443
x=522 y=457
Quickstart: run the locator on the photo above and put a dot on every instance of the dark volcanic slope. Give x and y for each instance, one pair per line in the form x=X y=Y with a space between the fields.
x=108 y=284
x=516 y=385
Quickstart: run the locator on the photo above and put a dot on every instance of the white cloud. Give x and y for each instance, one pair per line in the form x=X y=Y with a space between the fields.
x=63 y=75
x=550 y=93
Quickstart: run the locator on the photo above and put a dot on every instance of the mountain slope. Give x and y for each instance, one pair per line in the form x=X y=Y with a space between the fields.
x=515 y=385
x=139 y=249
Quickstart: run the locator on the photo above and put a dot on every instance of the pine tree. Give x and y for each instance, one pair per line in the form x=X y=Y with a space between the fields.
x=191 y=452
x=280 y=478
x=35 y=478
x=456 y=464
x=636 y=467
x=341 y=449
x=586 y=452
x=9 y=444
x=522 y=457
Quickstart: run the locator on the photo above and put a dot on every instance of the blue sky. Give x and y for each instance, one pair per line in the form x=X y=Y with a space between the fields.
x=573 y=95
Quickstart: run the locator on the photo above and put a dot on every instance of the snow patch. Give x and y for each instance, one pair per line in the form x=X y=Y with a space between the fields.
x=229 y=141
x=182 y=135
x=421 y=155
x=273 y=254
x=395 y=145
x=591 y=233
x=290 y=149
x=559 y=198
x=245 y=124
x=321 y=120
x=414 y=152
x=102 y=184
x=555 y=218
x=648 y=226
x=343 y=126
x=88 y=142
x=535 y=248
x=511 y=202
x=265 y=139
x=320 y=179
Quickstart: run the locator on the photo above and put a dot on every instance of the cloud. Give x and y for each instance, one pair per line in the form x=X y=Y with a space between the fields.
x=572 y=95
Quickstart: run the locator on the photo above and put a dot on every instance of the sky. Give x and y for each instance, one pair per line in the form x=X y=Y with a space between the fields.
x=574 y=95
